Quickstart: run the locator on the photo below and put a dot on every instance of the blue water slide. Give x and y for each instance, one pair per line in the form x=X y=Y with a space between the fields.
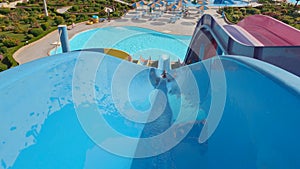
x=56 y=109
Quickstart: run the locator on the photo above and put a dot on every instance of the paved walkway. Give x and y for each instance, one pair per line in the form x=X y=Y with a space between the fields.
x=42 y=47
x=63 y=9
x=10 y=5
x=122 y=2
x=184 y=26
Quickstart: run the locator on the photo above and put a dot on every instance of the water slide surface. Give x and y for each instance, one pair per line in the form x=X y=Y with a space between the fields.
x=251 y=112
x=272 y=44
x=271 y=32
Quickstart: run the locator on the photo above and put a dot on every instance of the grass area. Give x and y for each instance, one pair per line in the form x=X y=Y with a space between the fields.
x=28 y=23
x=285 y=12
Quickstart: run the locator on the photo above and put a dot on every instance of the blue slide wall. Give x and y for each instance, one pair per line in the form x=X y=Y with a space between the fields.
x=253 y=125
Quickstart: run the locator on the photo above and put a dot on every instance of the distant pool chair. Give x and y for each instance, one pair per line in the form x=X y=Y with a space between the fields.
x=135 y=61
x=152 y=63
x=136 y=17
x=143 y=61
x=153 y=17
x=144 y=13
x=179 y=15
x=173 y=19
x=176 y=64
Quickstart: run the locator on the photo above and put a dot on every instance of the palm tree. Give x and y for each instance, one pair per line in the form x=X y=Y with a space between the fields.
x=45 y=8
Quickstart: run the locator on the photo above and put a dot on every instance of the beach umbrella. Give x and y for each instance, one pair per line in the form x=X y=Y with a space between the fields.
x=142 y=3
x=154 y=4
x=162 y=3
x=181 y=4
x=145 y=2
x=136 y=4
x=184 y=2
x=174 y=6
x=203 y=2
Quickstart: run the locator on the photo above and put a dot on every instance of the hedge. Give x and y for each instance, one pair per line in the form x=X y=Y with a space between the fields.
x=10 y=42
x=36 y=31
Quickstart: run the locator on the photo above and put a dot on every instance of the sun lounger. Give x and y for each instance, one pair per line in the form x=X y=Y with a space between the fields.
x=143 y=61
x=136 y=17
x=153 y=17
x=173 y=19
x=135 y=61
x=179 y=15
x=176 y=64
x=152 y=63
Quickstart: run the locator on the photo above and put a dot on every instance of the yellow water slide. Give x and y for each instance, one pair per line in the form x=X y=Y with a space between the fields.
x=117 y=53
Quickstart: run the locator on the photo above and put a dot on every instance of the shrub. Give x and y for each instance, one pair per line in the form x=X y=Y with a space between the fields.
x=253 y=11
x=243 y=11
x=102 y=13
x=21 y=4
x=3 y=49
x=10 y=42
x=36 y=31
x=75 y=8
x=65 y=15
x=116 y=14
x=7 y=62
x=288 y=20
x=9 y=28
x=46 y=18
x=29 y=36
x=4 y=11
x=82 y=17
x=272 y=14
x=45 y=26
x=2 y=67
x=32 y=20
x=72 y=19
x=237 y=12
x=235 y=18
x=2 y=28
x=59 y=20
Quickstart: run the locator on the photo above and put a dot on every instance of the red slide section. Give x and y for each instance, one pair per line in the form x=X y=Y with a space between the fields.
x=271 y=32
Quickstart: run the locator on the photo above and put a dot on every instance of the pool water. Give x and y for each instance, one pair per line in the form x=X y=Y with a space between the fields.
x=215 y=3
x=133 y=40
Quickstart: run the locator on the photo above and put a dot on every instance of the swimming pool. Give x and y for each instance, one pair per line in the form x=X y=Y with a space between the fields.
x=134 y=40
x=216 y=3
